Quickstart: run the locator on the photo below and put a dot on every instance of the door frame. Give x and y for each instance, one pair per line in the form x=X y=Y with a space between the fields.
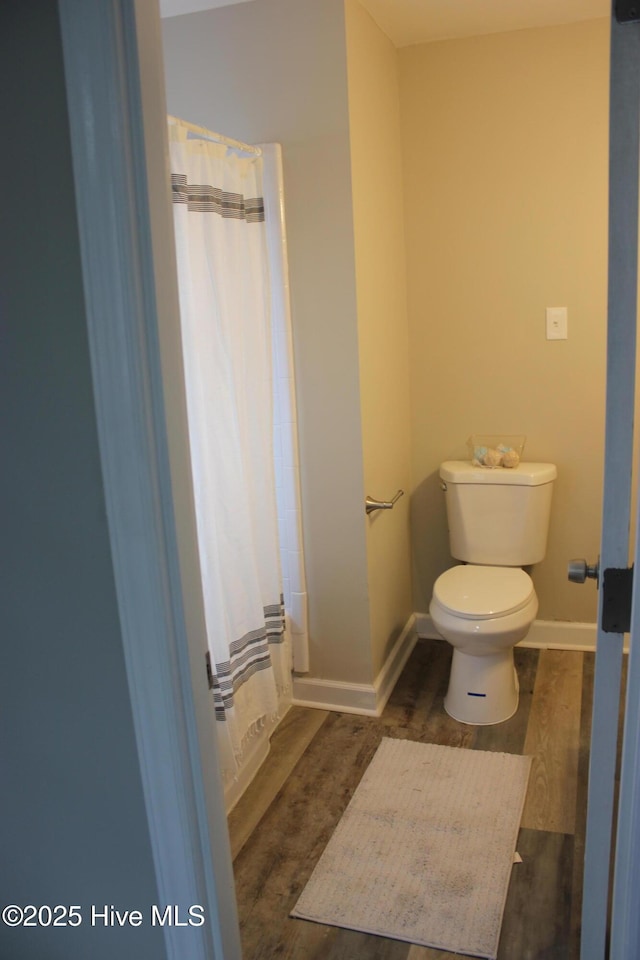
x=616 y=537
x=625 y=916
x=114 y=73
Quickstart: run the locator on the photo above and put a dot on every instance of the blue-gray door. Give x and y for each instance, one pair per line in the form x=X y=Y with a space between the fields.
x=617 y=535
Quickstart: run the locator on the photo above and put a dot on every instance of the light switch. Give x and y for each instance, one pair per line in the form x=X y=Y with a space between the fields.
x=557 y=326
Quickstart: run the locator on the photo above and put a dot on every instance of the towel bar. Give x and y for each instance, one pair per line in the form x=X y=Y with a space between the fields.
x=370 y=504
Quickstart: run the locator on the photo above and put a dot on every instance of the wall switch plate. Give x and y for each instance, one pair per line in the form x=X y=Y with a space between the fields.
x=557 y=326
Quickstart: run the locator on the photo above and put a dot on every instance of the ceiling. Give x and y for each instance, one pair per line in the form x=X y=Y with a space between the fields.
x=420 y=21
x=175 y=8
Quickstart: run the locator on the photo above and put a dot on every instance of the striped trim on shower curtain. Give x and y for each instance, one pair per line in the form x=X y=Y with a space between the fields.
x=248 y=655
x=203 y=198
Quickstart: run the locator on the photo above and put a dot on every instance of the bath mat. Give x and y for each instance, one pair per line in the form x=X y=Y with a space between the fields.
x=425 y=848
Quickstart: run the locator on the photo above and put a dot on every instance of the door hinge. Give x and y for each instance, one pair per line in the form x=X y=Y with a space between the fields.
x=627 y=11
x=617 y=589
x=209 y=670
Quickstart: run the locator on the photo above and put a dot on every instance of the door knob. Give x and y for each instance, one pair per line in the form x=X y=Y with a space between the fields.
x=580 y=570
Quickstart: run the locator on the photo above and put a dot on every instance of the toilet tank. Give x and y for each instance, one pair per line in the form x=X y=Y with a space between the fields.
x=498 y=517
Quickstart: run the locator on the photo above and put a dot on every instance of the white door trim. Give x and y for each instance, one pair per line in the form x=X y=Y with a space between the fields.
x=114 y=76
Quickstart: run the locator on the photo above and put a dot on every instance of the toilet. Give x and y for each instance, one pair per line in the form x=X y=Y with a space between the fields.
x=498 y=522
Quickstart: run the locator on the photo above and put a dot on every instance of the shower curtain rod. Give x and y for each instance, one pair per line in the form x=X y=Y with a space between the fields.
x=205 y=134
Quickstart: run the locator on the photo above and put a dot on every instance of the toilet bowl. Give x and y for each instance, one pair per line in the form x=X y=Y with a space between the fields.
x=483 y=611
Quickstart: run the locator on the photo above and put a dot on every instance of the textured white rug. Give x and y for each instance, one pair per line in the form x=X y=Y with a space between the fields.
x=424 y=851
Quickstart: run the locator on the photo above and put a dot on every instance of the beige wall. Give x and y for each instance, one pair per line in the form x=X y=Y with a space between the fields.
x=376 y=173
x=505 y=170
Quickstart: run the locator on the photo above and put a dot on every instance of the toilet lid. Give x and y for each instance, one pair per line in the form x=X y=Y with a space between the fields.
x=477 y=593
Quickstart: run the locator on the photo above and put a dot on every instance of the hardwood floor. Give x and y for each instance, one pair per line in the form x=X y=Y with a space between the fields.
x=286 y=817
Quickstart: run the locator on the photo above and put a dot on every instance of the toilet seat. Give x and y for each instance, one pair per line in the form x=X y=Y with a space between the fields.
x=483 y=592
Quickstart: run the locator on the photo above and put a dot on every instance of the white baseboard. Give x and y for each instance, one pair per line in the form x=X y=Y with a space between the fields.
x=395 y=662
x=252 y=761
x=561 y=635
x=368 y=699
x=544 y=634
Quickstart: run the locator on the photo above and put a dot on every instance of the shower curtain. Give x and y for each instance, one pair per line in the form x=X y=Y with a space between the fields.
x=225 y=306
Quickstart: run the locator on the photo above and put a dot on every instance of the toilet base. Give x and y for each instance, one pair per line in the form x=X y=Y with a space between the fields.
x=483 y=689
